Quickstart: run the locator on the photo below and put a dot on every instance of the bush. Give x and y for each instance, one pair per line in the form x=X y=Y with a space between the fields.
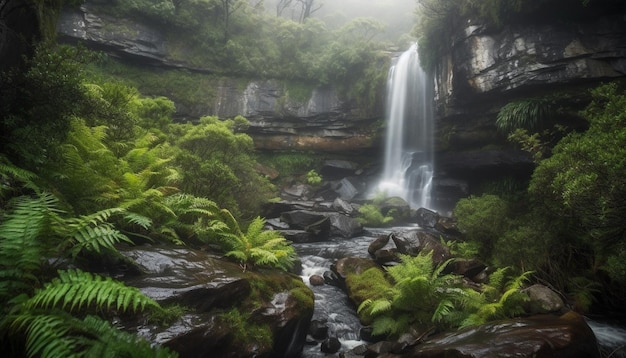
x=483 y=219
x=370 y=215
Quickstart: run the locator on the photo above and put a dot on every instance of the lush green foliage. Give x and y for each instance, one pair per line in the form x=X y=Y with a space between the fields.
x=585 y=179
x=483 y=219
x=313 y=178
x=421 y=298
x=290 y=164
x=219 y=164
x=121 y=172
x=500 y=298
x=568 y=227
x=527 y=114
x=34 y=229
x=254 y=247
x=232 y=37
x=246 y=332
x=370 y=215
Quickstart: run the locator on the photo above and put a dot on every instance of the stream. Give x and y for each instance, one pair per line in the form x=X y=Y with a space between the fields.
x=332 y=304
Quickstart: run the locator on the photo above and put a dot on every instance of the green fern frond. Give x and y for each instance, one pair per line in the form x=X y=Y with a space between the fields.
x=255 y=229
x=444 y=308
x=47 y=335
x=385 y=325
x=380 y=306
x=228 y=218
x=364 y=305
x=97 y=238
x=74 y=289
x=21 y=249
x=111 y=342
x=138 y=219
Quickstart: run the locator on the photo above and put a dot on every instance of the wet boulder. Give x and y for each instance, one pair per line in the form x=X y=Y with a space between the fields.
x=542 y=336
x=330 y=345
x=351 y=265
x=415 y=241
x=316 y=280
x=347 y=188
x=342 y=206
x=213 y=290
x=316 y=223
x=542 y=300
x=380 y=242
x=396 y=207
x=344 y=226
x=426 y=219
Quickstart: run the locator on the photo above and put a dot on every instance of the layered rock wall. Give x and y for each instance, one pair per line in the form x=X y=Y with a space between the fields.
x=323 y=120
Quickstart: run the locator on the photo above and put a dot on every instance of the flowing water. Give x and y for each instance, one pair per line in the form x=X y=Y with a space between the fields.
x=408 y=161
x=332 y=304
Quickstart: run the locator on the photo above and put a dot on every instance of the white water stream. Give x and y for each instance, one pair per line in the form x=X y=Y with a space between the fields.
x=408 y=161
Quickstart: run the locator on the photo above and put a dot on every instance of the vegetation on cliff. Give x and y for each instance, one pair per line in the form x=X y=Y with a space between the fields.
x=236 y=39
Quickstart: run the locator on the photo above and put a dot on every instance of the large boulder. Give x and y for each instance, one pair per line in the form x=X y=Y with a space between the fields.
x=542 y=299
x=336 y=169
x=566 y=336
x=214 y=291
x=344 y=226
x=316 y=223
x=414 y=242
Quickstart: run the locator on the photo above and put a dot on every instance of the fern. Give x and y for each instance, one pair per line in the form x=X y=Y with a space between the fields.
x=527 y=114
x=500 y=298
x=58 y=334
x=92 y=232
x=47 y=335
x=74 y=289
x=21 y=251
x=421 y=295
x=9 y=173
x=256 y=246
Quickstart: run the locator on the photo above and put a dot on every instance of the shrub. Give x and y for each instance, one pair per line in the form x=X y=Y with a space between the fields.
x=370 y=215
x=483 y=220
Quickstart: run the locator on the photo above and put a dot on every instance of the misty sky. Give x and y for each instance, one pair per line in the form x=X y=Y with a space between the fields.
x=397 y=14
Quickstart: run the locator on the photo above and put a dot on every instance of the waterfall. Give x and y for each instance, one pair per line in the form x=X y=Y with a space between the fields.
x=408 y=161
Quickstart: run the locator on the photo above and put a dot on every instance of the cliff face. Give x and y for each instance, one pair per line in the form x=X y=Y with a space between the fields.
x=486 y=69
x=485 y=65
x=319 y=120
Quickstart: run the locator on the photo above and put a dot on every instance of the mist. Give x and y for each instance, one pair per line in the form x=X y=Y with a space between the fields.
x=397 y=15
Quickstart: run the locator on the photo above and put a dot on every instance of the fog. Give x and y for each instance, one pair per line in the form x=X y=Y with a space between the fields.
x=397 y=15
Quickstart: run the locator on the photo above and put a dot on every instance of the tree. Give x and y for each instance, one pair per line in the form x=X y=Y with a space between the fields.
x=307 y=8
x=584 y=182
x=281 y=6
x=228 y=8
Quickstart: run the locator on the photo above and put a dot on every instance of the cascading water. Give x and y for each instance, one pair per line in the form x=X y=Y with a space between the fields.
x=408 y=162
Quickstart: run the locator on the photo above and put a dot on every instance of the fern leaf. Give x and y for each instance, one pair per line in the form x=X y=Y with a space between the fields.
x=67 y=291
x=47 y=335
x=364 y=305
x=442 y=311
x=380 y=306
x=385 y=325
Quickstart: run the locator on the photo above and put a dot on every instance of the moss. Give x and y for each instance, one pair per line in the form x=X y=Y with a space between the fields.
x=371 y=284
x=305 y=300
x=181 y=86
x=167 y=315
x=247 y=333
x=298 y=91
